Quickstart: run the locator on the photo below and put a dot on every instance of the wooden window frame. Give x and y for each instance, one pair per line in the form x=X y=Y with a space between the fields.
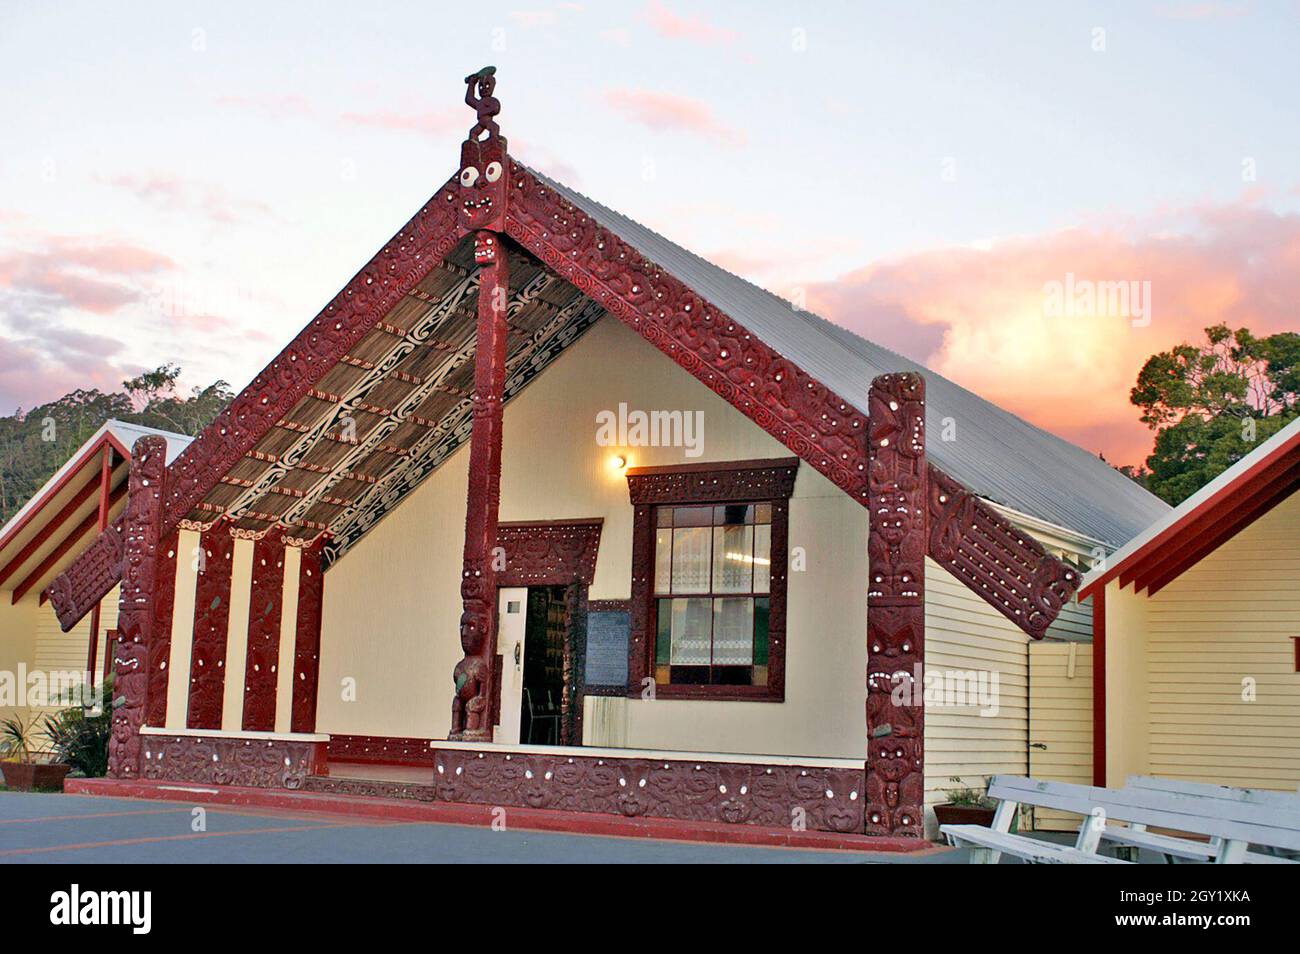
x=729 y=482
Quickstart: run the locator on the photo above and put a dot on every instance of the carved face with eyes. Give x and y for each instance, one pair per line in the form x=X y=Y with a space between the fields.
x=482 y=184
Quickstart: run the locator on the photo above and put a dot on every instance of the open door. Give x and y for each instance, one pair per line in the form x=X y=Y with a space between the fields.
x=512 y=615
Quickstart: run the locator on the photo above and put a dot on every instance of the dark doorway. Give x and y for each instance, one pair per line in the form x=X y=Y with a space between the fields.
x=548 y=655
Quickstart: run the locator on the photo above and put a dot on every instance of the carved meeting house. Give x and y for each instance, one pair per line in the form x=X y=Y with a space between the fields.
x=402 y=544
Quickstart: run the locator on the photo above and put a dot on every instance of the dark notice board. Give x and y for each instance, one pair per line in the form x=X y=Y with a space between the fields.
x=608 y=633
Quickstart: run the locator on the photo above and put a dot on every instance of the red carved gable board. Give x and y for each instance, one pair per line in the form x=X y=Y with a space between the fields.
x=828 y=432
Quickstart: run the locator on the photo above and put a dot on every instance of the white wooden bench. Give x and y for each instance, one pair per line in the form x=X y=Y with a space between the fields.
x=988 y=845
x=1129 y=840
x=1235 y=822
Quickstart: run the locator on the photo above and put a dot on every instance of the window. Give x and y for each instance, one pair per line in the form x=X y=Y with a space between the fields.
x=709 y=555
x=712 y=594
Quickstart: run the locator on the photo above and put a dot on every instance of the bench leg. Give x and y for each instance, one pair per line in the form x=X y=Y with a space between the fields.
x=1127 y=853
x=984 y=856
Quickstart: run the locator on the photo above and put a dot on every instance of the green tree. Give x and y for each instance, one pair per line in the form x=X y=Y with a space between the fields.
x=1212 y=404
x=35 y=443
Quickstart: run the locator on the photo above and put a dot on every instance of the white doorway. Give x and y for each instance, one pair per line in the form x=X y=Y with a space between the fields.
x=512 y=617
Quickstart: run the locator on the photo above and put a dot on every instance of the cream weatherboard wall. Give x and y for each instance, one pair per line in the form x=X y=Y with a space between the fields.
x=1221 y=666
x=1060 y=720
x=392 y=604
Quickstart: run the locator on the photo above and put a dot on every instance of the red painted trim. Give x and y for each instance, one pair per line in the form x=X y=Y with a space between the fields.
x=1266 y=468
x=1099 y=688
x=105 y=504
x=47 y=531
x=524 y=819
x=62 y=482
x=265 y=601
x=62 y=549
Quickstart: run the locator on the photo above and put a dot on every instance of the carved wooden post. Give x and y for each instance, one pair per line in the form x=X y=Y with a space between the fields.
x=137 y=614
x=476 y=685
x=897 y=540
x=483 y=208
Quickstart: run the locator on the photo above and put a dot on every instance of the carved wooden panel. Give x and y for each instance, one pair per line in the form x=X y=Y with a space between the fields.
x=774 y=796
x=211 y=620
x=136 y=614
x=306 y=650
x=160 y=639
x=1005 y=566
x=90 y=577
x=265 y=601
x=896 y=546
x=554 y=553
x=262 y=763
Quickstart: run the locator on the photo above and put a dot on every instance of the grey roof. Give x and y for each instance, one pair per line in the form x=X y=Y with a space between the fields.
x=996 y=454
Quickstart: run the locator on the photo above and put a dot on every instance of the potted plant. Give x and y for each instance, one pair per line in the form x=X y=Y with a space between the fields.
x=966 y=805
x=23 y=762
x=79 y=734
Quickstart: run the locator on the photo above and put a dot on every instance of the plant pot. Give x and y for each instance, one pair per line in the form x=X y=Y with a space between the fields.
x=963 y=815
x=26 y=776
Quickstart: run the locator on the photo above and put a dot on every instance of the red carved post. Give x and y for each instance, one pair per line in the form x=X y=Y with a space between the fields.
x=483 y=206
x=306 y=652
x=897 y=539
x=137 y=610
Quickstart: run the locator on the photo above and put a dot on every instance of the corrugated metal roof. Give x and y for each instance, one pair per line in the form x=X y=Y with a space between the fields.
x=995 y=453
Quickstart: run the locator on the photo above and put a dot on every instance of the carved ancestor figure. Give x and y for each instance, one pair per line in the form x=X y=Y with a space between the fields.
x=472 y=674
x=482 y=176
x=897 y=539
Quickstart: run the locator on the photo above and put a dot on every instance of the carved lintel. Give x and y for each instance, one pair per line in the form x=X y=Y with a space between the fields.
x=896 y=545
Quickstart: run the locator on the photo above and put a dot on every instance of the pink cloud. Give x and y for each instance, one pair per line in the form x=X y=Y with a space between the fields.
x=985 y=318
x=668 y=112
x=171 y=193
x=694 y=29
x=93 y=276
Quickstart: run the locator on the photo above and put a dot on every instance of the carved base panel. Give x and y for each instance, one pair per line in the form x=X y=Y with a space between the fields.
x=773 y=796
x=252 y=763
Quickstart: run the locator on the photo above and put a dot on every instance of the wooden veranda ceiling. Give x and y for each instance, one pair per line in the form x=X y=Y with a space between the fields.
x=393 y=408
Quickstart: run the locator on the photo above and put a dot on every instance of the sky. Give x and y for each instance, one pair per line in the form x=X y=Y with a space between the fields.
x=1030 y=198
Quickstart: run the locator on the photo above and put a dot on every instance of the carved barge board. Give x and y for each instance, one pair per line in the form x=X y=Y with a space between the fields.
x=1005 y=566
x=90 y=577
x=896 y=547
x=137 y=607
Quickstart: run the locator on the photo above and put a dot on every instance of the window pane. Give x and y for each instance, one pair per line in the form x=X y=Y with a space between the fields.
x=762 y=558
x=690 y=573
x=663 y=631
x=760 y=633
x=733 y=632
x=664 y=517
x=732 y=676
x=692 y=516
x=663 y=561
x=733 y=559
x=729 y=514
x=763 y=513
x=690 y=633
